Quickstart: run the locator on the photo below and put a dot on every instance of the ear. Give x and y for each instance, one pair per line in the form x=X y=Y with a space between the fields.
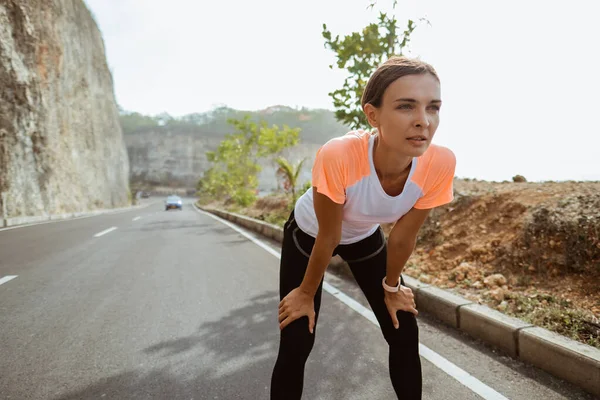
x=372 y=114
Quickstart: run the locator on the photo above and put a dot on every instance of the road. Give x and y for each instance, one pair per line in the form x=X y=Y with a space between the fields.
x=149 y=304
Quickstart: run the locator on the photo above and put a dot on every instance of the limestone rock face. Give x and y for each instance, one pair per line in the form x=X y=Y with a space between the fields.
x=61 y=144
x=159 y=158
x=178 y=159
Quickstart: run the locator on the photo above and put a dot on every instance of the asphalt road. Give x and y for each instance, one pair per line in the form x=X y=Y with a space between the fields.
x=178 y=305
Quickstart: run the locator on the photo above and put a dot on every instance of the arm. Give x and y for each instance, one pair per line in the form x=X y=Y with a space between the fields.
x=329 y=217
x=402 y=241
x=438 y=189
x=300 y=301
x=329 y=175
x=401 y=244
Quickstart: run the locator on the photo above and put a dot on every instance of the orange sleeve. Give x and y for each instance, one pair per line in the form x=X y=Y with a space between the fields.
x=329 y=173
x=439 y=189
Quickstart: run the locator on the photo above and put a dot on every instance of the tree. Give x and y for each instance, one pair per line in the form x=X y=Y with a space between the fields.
x=289 y=174
x=133 y=122
x=360 y=53
x=235 y=162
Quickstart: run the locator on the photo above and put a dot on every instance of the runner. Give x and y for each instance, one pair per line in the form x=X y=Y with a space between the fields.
x=359 y=181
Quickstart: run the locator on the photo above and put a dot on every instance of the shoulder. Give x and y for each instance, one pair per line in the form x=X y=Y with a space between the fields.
x=437 y=164
x=352 y=144
x=344 y=157
x=438 y=157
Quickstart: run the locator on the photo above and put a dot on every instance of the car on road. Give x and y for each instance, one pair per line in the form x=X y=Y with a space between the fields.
x=173 y=202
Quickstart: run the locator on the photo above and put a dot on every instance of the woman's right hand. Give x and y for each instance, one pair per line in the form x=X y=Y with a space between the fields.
x=297 y=304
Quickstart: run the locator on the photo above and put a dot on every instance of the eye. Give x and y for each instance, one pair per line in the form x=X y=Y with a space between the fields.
x=435 y=108
x=405 y=107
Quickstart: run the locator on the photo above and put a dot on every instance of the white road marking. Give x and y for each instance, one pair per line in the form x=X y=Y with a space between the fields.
x=136 y=218
x=445 y=365
x=105 y=231
x=70 y=219
x=7 y=278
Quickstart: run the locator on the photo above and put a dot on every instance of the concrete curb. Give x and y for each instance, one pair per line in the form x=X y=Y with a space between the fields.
x=497 y=329
x=572 y=361
x=565 y=358
x=441 y=304
x=36 y=219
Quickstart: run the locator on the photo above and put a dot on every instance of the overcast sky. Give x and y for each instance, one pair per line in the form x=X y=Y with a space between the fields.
x=520 y=78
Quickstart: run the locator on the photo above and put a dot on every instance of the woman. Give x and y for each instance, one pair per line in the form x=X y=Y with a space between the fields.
x=359 y=181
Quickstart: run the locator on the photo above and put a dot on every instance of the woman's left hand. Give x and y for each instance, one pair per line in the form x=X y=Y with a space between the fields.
x=402 y=300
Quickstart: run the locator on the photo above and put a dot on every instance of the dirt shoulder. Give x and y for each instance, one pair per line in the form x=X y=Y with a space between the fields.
x=531 y=250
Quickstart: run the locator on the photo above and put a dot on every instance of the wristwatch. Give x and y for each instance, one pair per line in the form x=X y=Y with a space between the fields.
x=389 y=288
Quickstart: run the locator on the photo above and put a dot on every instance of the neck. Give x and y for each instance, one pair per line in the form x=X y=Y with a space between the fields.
x=388 y=163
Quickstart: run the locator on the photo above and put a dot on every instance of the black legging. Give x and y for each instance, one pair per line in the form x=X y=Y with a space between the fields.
x=367 y=260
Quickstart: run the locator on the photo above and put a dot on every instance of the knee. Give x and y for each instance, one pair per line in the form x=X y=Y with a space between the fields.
x=407 y=334
x=295 y=343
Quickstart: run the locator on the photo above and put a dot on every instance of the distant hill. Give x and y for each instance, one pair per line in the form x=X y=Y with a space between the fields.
x=167 y=151
x=317 y=125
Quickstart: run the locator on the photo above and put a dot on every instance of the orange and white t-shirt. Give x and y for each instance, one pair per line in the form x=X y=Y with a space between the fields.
x=344 y=172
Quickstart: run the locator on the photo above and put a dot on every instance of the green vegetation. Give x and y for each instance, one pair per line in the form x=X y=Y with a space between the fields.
x=234 y=169
x=316 y=125
x=360 y=53
x=289 y=174
x=555 y=314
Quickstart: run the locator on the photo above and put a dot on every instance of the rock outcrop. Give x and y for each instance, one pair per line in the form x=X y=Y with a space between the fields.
x=61 y=144
x=160 y=158
x=178 y=159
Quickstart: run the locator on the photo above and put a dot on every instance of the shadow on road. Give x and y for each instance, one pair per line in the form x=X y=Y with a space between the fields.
x=237 y=354
x=236 y=357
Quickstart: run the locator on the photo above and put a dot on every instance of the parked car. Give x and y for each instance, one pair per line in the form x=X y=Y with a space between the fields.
x=173 y=202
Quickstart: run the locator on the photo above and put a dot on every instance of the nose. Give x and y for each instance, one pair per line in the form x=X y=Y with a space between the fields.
x=422 y=119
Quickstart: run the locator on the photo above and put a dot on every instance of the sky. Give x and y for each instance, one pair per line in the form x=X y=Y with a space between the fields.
x=520 y=78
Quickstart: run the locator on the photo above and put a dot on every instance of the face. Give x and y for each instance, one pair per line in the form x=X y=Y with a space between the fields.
x=409 y=114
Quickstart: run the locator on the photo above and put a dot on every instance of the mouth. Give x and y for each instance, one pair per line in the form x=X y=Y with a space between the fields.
x=417 y=138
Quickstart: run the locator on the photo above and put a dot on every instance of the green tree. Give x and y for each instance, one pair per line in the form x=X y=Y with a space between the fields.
x=289 y=173
x=235 y=161
x=316 y=125
x=132 y=122
x=360 y=53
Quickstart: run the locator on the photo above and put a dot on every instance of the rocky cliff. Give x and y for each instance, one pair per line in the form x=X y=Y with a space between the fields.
x=162 y=158
x=61 y=145
x=167 y=152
